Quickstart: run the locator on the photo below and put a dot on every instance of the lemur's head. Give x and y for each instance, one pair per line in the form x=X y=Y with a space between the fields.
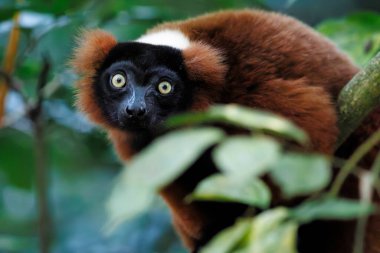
x=136 y=85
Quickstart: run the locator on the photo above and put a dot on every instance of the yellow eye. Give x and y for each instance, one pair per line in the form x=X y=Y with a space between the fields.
x=118 y=81
x=164 y=87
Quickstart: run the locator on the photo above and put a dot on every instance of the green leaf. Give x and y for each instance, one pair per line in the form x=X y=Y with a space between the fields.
x=229 y=239
x=357 y=34
x=281 y=239
x=156 y=166
x=246 y=156
x=244 y=117
x=269 y=232
x=250 y=191
x=272 y=233
x=331 y=208
x=268 y=221
x=170 y=155
x=301 y=174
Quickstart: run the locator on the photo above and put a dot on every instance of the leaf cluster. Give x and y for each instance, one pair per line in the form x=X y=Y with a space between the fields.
x=242 y=161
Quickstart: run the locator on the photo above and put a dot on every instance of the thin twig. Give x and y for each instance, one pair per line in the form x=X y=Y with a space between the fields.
x=35 y=115
x=359 y=153
x=11 y=83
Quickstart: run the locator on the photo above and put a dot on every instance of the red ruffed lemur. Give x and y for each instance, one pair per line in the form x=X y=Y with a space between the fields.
x=254 y=58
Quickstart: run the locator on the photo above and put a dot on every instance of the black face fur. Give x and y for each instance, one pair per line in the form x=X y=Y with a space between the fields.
x=138 y=105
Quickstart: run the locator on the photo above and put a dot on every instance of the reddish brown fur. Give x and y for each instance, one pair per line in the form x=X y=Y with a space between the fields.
x=262 y=60
x=205 y=64
x=92 y=48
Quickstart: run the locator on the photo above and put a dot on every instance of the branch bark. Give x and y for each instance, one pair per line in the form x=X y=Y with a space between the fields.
x=358 y=98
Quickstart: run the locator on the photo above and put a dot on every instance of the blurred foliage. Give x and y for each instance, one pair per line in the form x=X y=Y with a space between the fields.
x=239 y=178
x=357 y=34
x=79 y=156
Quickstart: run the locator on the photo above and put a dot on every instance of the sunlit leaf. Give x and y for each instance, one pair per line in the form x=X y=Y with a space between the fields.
x=246 y=156
x=273 y=233
x=301 y=174
x=169 y=156
x=281 y=239
x=244 y=117
x=269 y=220
x=229 y=239
x=331 y=208
x=218 y=187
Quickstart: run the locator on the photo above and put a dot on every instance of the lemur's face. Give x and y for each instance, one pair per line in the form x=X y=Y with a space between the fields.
x=139 y=85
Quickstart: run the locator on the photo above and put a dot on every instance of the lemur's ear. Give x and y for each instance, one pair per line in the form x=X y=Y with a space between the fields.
x=205 y=65
x=93 y=47
x=204 y=62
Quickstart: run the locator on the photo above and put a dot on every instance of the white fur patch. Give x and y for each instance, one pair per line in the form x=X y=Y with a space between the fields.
x=171 y=38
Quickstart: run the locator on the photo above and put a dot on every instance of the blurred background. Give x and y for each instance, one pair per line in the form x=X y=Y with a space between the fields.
x=49 y=151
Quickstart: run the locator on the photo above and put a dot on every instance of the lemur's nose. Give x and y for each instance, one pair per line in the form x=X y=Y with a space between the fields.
x=136 y=111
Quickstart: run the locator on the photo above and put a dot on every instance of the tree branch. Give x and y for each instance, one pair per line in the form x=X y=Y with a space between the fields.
x=358 y=98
